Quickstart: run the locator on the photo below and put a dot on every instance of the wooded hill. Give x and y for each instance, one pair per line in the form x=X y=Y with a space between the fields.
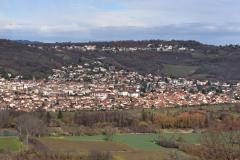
x=205 y=62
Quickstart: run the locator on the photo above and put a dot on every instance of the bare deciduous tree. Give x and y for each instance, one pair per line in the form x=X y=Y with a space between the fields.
x=29 y=125
x=221 y=146
x=4 y=118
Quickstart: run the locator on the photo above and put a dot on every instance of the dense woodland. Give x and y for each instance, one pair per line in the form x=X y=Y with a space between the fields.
x=133 y=121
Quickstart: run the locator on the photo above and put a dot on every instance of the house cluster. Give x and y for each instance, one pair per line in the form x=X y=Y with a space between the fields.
x=149 y=47
x=85 y=48
x=96 y=86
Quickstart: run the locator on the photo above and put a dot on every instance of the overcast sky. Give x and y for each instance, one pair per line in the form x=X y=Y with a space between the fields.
x=208 y=21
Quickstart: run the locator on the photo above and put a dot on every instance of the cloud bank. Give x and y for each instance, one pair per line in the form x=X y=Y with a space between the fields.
x=215 y=21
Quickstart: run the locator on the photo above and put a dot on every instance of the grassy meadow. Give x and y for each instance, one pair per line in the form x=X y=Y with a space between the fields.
x=123 y=146
x=137 y=141
x=10 y=143
x=179 y=70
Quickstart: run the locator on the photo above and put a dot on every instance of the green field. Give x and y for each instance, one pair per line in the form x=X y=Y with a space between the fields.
x=121 y=151
x=139 y=141
x=10 y=143
x=124 y=146
x=178 y=70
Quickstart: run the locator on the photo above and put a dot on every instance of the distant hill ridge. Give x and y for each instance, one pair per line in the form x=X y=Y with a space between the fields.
x=36 y=59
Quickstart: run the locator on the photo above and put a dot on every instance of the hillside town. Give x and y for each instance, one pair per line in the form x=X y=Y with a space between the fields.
x=96 y=86
x=88 y=48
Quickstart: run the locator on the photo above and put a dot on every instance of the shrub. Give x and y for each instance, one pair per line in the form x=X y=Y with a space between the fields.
x=168 y=143
x=173 y=142
x=109 y=133
x=190 y=149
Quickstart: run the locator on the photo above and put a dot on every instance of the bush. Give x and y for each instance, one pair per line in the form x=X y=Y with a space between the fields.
x=190 y=149
x=168 y=143
x=109 y=133
x=173 y=142
x=180 y=139
x=143 y=127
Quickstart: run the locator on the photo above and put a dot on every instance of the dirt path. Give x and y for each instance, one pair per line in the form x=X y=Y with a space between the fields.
x=39 y=146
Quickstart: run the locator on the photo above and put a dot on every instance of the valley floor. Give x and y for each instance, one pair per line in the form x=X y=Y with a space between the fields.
x=123 y=146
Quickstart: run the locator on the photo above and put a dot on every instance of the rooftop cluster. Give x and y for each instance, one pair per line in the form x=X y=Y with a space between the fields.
x=97 y=86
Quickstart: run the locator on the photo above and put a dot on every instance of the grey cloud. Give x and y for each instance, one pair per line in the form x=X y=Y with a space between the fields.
x=206 y=33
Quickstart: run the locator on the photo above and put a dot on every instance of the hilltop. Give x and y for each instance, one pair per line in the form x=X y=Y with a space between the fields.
x=188 y=59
